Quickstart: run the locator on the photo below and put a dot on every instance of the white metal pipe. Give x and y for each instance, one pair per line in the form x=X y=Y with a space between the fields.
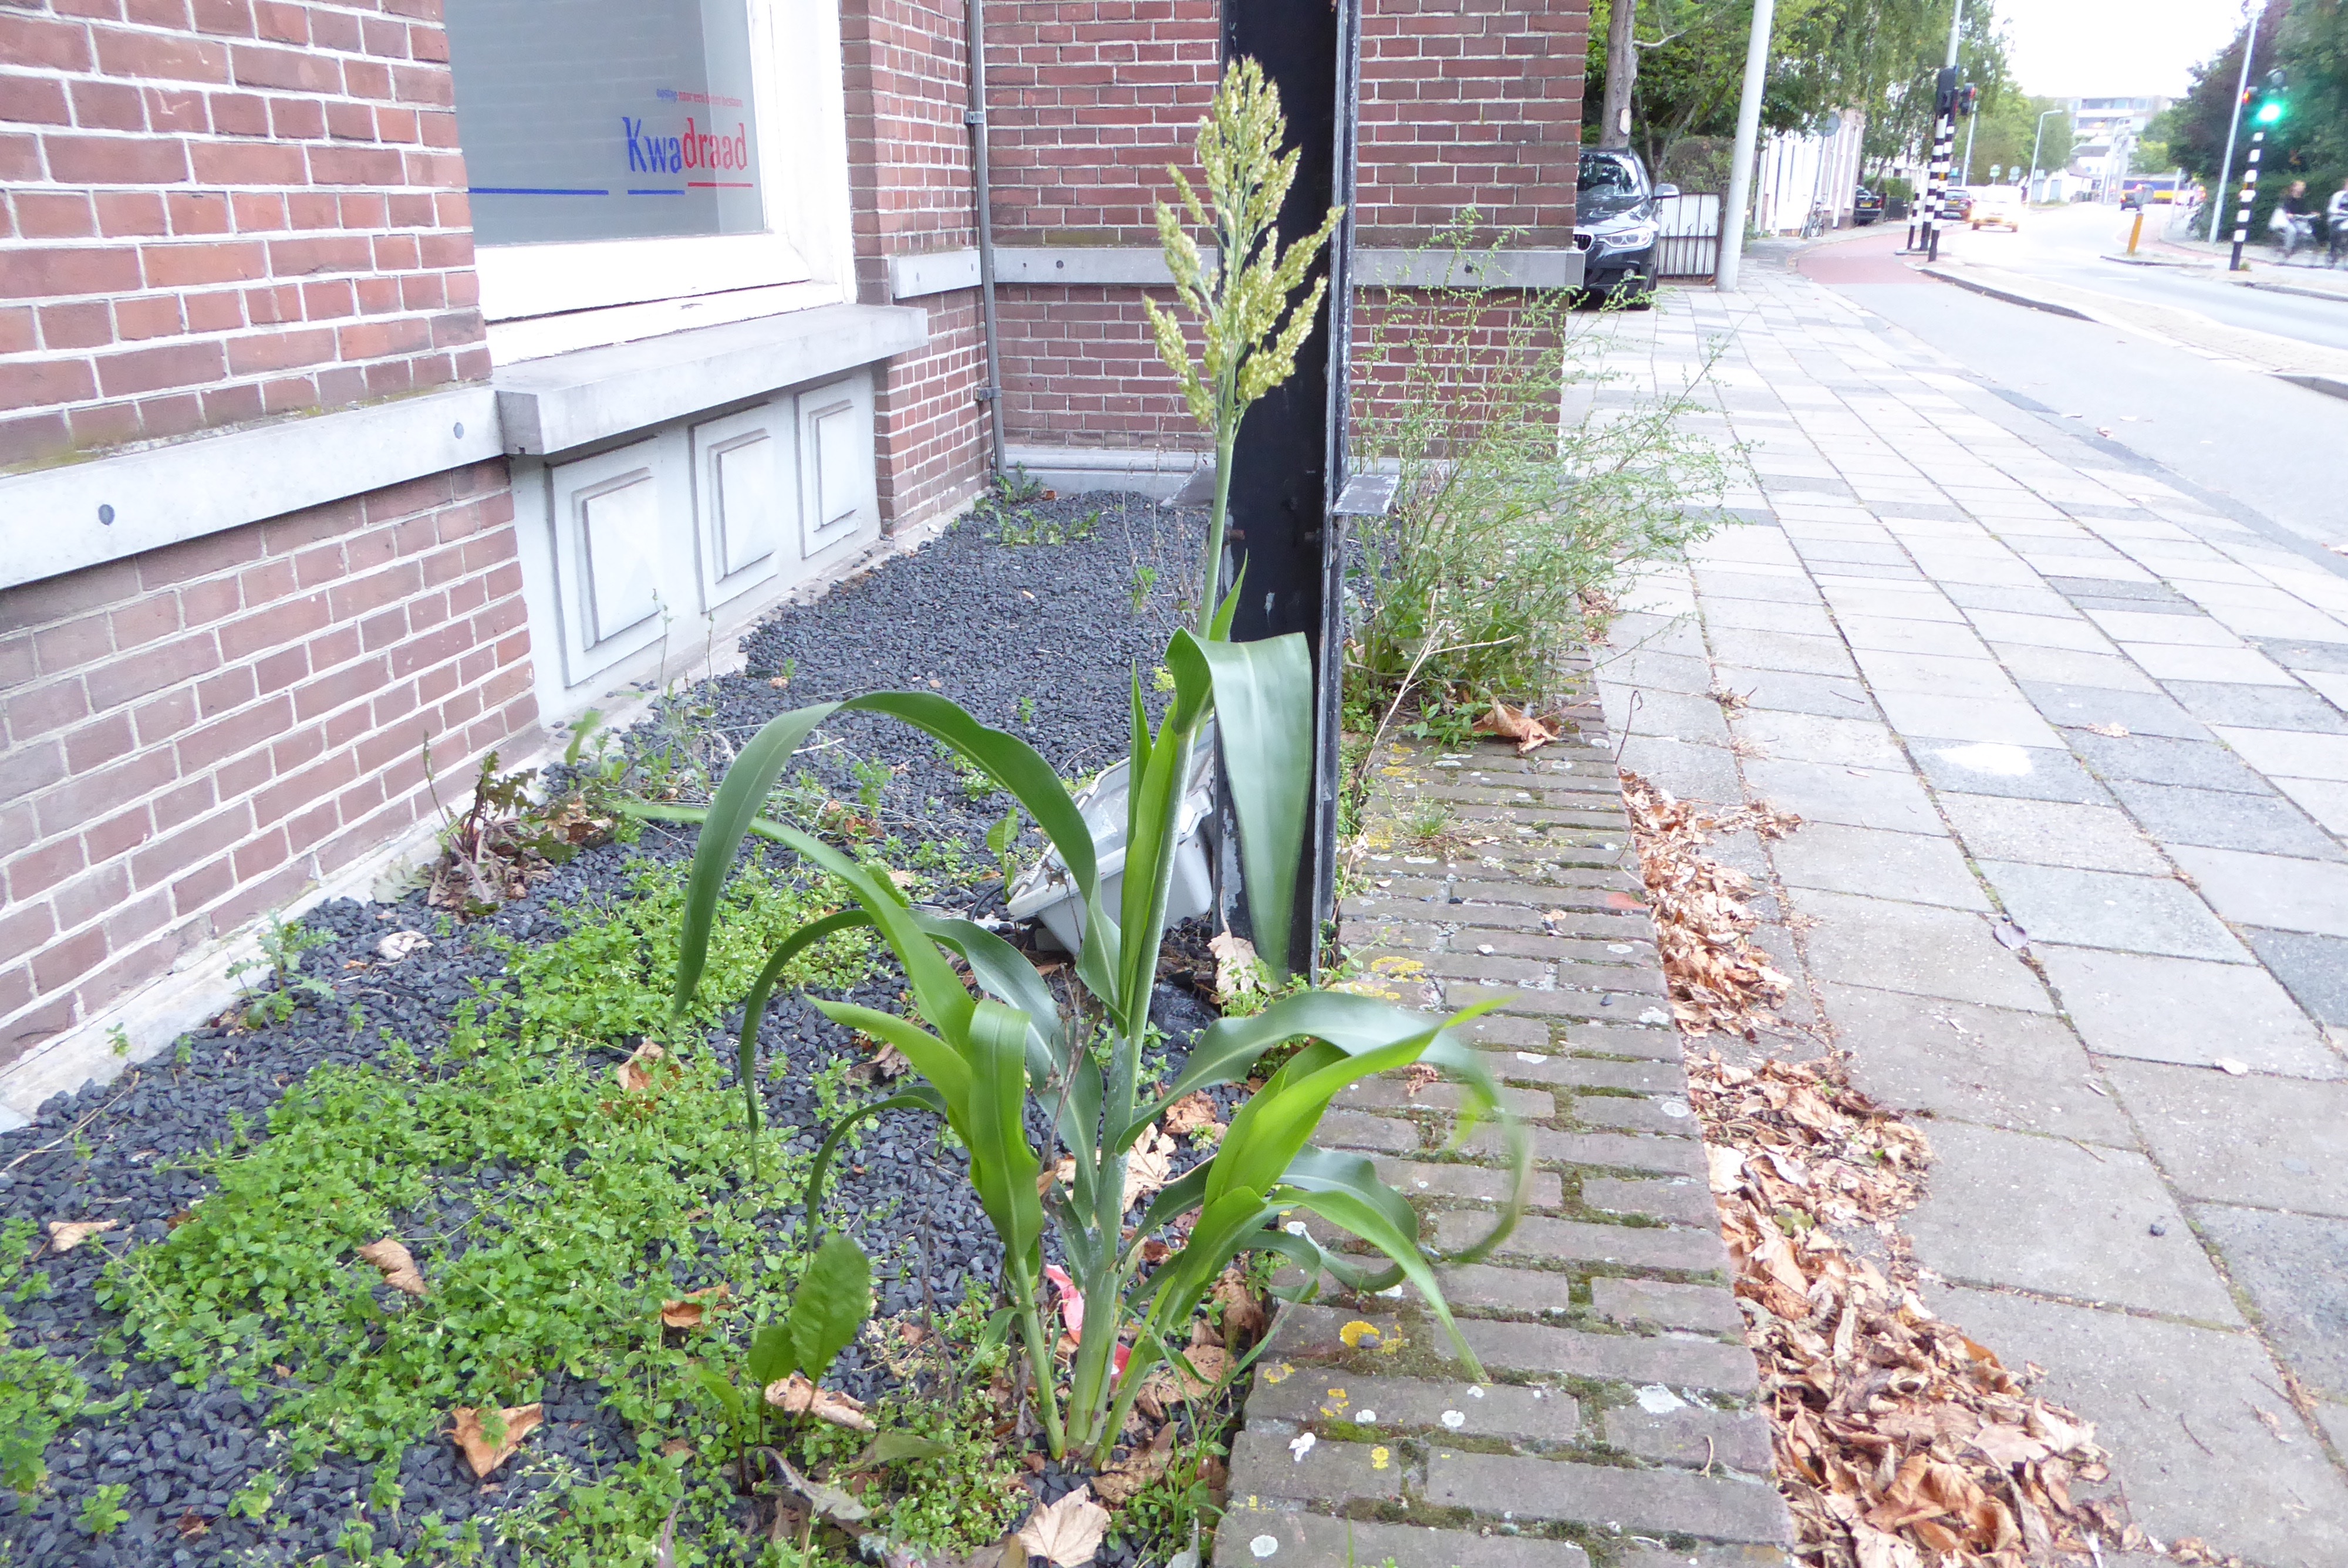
x=1748 y=129
x=2233 y=124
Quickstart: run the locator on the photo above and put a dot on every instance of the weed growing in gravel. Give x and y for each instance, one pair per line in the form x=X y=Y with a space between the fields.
x=102 y=1512
x=280 y=966
x=38 y=1395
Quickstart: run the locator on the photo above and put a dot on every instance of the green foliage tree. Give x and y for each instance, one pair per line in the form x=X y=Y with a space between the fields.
x=1872 y=56
x=2307 y=40
x=2007 y=132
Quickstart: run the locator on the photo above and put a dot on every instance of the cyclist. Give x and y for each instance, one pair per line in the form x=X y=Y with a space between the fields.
x=2336 y=219
x=2294 y=219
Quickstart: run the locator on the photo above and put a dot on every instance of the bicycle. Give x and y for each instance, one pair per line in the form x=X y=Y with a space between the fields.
x=2298 y=232
x=1816 y=223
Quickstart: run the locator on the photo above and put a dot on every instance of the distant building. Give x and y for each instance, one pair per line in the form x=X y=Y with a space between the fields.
x=2105 y=134
x=1799 y=169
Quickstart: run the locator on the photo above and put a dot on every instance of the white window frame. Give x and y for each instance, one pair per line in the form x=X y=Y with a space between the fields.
x=799 y=101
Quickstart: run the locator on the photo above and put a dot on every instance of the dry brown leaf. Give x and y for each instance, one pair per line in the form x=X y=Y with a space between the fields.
x=1245 y=1319
x=1061 y=1174
x=484 y=1456
x=797 y=1397
x=1191 y=1113
x=692 y=1309
x=2112 y=732
x=635 y=1075
x=1150 y=1166
x=66 y=1235
x=1239 y=972
x=398 y=1264
x=1067 y=1532
x=1516 y=724
x=1119 y=1485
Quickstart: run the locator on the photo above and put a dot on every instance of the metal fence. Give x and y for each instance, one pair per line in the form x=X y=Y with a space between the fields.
x=1688 y=245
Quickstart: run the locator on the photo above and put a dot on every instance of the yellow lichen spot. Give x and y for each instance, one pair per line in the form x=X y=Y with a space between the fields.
x=1381 y=1457
x=1391 y=1343
x=1399 y=967
x=1355 y=1333
x=1278 y=1372
x=1339 y=1397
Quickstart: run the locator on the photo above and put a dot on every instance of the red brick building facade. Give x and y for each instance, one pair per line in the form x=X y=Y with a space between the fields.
x=372 y=377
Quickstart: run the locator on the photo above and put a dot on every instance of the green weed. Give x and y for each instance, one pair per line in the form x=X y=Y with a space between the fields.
x=280 y=964
x=38 y=1395
x=102 y=1512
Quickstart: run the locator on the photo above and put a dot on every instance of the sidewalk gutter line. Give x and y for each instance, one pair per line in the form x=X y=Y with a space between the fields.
x=2331 y=386
x=2338 y=296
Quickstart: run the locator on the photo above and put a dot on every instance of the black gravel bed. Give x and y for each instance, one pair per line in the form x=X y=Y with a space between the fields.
x=983 y=622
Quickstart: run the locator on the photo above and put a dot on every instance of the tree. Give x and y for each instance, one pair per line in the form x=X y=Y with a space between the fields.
x=1872 y=56
x=2307 y=40
x=2004 y=135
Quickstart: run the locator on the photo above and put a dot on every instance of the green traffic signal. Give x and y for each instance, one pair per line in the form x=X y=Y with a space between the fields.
x=2270 y=112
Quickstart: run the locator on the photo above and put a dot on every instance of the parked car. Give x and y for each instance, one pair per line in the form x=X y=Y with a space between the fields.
x=1998 y=206
x=2132 y=198
x=1866 y=207
x=1615 y=225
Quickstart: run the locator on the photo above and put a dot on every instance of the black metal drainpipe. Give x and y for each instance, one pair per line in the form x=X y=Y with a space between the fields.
x=991 y=394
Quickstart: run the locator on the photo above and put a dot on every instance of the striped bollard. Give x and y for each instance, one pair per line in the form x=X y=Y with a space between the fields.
x=2250 y=200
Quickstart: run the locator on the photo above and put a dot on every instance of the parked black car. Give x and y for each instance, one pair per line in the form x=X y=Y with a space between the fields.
x=1866 y=207
x=1614 y=225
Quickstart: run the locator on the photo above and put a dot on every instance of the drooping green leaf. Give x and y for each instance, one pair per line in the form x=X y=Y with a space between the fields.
x=728 y=1397
x=895 y=1447
x=1263 y=719
x=772 y=1356
x=833 y=1299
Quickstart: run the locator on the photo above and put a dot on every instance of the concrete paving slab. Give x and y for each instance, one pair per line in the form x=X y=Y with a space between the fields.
x=2279 y=892
x=1862 y=797
x=2072 y=631
x=2321 y=799
x=1784 y=691
x=1790 y=585
x=2061 y=1218
x=2026 y=772
x=1689 y=772
x=2140 y=597
x=2075 y=706
x=2064 y=666
x=2036 y=600
x=2296 y=1268
x=1934 y=674
x=2260 y=708
x=2186 y=1010
x=1784 y=651
x=2007 y=721
x=1815 y=738
x=2265 y=1141
x=1968 y=1063
x=2296 y=753
x=2158 y=759
x=2167 y=630
x=1680 y=715
x=2170 y=662
x=1916 y=868
x=1915 y=948
x=1891 y=634
x=1765 y=615
x=2051 y=833
x=1657 y=671
x=2313 y=968
x=2223 y=819
x=2108 y=909
x=2177 y=1406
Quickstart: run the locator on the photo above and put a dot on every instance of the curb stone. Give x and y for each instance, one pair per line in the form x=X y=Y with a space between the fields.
x=1622 y=1432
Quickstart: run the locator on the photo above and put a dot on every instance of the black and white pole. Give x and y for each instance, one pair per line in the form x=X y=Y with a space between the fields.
x=2250 y=199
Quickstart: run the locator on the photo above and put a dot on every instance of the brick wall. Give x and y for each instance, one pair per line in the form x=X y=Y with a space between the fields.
x=194 y=736
x=931 y=427
x=218 y=209
x=1464 y=104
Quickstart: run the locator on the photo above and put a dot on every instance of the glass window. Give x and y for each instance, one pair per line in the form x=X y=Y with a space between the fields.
x=606 y=119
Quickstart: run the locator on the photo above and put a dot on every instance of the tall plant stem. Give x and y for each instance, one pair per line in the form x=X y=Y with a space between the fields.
x=1211 y=570
x=1039 y=1362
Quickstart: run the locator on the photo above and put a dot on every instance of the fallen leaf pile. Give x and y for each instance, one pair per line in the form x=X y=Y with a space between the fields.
x=692 y=1309
x=1899 y=1443
x=1719 y=980
x=1067 y=1532
x=1238 y=973
x=1150 y=1166
x=1194 y=1112
x=796 y=1395
x=1517 y=724
x=66 y=1235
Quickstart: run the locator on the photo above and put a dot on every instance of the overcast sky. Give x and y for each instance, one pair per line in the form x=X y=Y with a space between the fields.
x=2099 y=48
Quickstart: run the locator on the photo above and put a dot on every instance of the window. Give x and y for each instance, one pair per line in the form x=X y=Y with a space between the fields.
x=618 y=151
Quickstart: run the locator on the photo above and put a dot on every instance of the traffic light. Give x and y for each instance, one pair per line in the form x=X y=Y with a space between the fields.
x=1944 y=91
x=1968 y=98
x=2272 y=106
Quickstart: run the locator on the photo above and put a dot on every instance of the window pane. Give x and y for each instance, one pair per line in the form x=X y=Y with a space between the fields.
x=605 y=120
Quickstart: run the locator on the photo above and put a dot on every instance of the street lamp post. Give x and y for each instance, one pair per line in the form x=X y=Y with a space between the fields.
x=1740 y=163
x=1944 y=142
x=2035 y=143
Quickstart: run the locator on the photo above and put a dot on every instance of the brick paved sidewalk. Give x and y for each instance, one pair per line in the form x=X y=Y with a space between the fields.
x=2073 y=751
x=1619 y=1429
